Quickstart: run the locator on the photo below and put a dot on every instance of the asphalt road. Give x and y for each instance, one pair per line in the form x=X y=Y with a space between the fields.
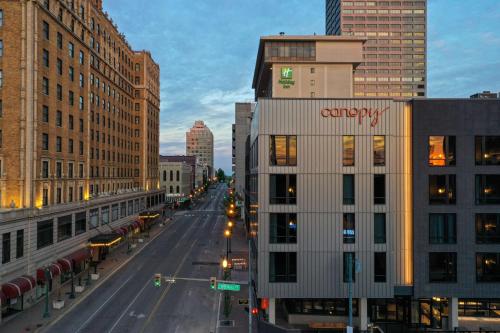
x=129 y=302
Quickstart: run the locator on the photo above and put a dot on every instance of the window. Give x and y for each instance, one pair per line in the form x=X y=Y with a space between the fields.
x=59 y=118
x=80 y=193
x=59 y=41
x=45 y=86
x=441 y=150
x=59 y=169
x=71 y=98
x=58 y=144
x=81 y=58
x=71 y=73
x=45 y=141
x=105 y=215
x=442 y=267
x=488 y=228
x=80 y=103
x=380 y=266
x=80 y=223
x=64 y=225
x=45 y=58
x=81 y=125
x=442 y=228
x=45 y=169
x=71 y=49
x=80 y=170
x=70 y=169
x=5 y=247
x=59 y=65
x=94 y=218
x=45 y=197
x=283 y=150
x=488 y=267
x=45 y=113
x=283 y=189
x=349 y=260
x=45 y=30
x=348 y=150
x=20 y=243
x=44 y=234
x=283 y=228
x=349 y=228
x=379 y=231
x=487 y=189
x=282 y=267
x=348 y=189
x=1 y=18
x=487 y=150
x=115 y=210
x=59 y=92
x=1 y=108
x=82 y=80
x=379 y=189
x=70 y=122
x=379 y=150
x=70 y=194
x=442 y=189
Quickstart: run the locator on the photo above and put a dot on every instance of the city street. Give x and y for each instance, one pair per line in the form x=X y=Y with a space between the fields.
x=128 y=301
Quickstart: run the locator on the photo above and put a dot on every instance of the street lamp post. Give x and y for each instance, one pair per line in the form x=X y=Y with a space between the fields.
x=46 y=313
x=227 y=234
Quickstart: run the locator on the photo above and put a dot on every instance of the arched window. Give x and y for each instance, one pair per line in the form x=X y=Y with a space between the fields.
x=171 y=189
x=177 y=189
x=177 y=176
x=171 y=175
x=164 y=175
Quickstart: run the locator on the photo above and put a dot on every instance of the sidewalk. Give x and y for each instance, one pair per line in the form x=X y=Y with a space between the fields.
x=31 y=320
x=239 y=249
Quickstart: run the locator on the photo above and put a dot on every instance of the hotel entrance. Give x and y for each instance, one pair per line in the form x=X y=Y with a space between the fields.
x=433 y=312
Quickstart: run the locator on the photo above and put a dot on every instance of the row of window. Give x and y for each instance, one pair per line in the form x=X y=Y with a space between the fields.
x=443 y=189
x=177 y=175
x=283 y=267
x=442 y=150
x=283 y=228
x=443 y=267
x=443 y=228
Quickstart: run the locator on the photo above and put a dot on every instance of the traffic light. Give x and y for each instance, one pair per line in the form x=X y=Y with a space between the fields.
x=255 y=311
x=213 y=282
x=157 y=280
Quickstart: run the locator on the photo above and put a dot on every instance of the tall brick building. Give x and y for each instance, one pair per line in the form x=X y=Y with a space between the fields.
x=79 y=131
x=395 y=51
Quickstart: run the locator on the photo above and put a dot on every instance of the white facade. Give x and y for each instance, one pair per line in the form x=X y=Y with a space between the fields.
x=200 y=143
x=175 y=178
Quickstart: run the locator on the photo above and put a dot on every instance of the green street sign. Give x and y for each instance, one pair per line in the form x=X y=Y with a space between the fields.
x=228 y=286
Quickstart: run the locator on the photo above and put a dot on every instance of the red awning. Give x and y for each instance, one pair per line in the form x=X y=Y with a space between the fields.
x=19 y=286
x=73 y=259
x=141 y=222
x=55 y=270
x=120 y=232
x=125 y=230
x=135 y=225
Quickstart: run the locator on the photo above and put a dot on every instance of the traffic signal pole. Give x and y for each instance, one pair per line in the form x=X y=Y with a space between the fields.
x=249 y=286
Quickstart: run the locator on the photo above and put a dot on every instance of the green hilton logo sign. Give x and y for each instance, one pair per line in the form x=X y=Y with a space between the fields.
x=286 y=79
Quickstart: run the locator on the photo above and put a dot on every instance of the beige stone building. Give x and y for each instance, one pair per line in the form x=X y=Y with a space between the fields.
x=79 y=115
x=175 y=178
x=200 y=143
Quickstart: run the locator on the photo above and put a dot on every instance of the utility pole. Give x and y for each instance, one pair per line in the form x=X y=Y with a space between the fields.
x=249 y=285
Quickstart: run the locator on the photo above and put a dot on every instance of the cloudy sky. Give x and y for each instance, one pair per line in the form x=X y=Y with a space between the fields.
x=207 y=48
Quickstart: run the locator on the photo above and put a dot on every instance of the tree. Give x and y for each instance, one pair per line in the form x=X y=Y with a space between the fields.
x=220 y=175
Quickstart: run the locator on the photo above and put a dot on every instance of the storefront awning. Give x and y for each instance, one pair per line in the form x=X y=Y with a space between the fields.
x=135 y=225
x=19 y=286
x=73 y=259
x=105 y=240
x=121 y=231
x=55 y=270
x=149 y=215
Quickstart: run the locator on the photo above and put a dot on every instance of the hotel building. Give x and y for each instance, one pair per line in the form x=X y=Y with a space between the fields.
x=394 y=55
x=79 y=129
x=200 y=143
x=336 y=179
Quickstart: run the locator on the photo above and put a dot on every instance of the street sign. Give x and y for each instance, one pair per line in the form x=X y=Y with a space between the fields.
x=169 y=279
x=228 y=286
x=243 y=301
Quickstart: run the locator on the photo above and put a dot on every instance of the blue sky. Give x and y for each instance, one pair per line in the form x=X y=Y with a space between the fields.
x=207 y=48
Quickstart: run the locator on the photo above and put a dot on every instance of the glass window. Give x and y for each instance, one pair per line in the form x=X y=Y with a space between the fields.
x=45 y=86
x=282 y=267
x=442 y=267
x=283 y=228
x=94 y=218
x=488 y=228
x=20 y=243
x=348 y=150
x=349 y=228
x=379 y=189
x=348 y=189
x=487 y=150
x=64 y=225
x=442 y=229
x=441 y=150
x=442 y=189
x=44 y=232
x=46 y=30
x=6 y=247
x=349 y=260
x=283 y=150
x=80 y=223
x=45 y=114
x=283 y=189
x=379 y=150
x=488 y=267
x=379 y=230
x=45 y=141
x=71 y=50
x=380 y=266
x=45 y=58
x=487 y=189
x=123 y=209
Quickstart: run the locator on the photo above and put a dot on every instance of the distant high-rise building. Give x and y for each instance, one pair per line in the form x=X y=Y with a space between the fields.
x=241 y=131
x=485 y=95
x=200 y=143
x=395 y=51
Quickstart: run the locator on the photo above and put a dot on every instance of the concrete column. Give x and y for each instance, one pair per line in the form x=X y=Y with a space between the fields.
x=452 y=312
x=363 y=314
x=272 y=310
